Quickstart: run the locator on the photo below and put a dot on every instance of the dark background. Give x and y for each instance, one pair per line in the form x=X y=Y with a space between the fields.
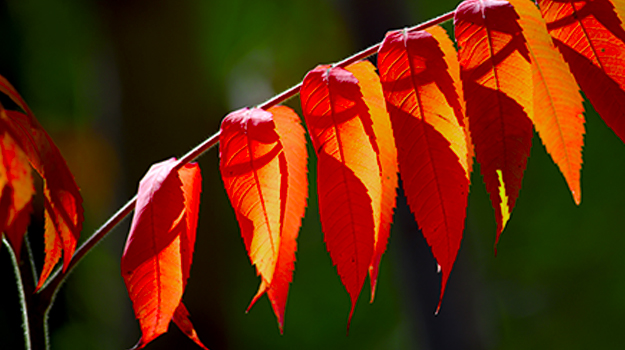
x=123 y=84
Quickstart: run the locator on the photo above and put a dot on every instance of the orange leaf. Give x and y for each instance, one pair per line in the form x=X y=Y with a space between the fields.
x=294 y=196
x=348 y=171
x=453 y=68
x=558 y=111
x=590 y=36
x=369 y=83
x=253 y=168
x=158 y=252
x=62 y=200
x=17 y=191
x=619 y=7
x=426 y=115
x=497 y=82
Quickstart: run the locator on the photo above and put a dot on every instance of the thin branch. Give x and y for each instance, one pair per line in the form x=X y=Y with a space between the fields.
x=370 y=51
x=50 y=288
x=22 y=295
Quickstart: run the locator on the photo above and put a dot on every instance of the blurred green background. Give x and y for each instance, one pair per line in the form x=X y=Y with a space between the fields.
x=121 y=84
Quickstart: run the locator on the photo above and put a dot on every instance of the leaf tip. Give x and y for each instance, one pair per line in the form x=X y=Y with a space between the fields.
x=373 y=278
x=281 y=326
x=261 y=291
x=505 y=209
x=374 y=284
x=140 y=344
x=577 y=197
x=351 y=313
x=445 y=277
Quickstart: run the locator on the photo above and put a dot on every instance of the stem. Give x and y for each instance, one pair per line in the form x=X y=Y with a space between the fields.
x=34 y=311
x=22 y=295
x=287 y=94
x=49 y=290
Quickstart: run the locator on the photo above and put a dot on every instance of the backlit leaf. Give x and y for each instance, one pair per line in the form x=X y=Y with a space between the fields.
x=294 y=197
x=426 y=114
x=369 y=83
x=62 y=200
x=558 y=111
x=453 y=68
x=17 y=190
x=590 y=36
x=253 y=168
x=158 y=252
x=497 y=83
x=348 y=171
x=619 y=7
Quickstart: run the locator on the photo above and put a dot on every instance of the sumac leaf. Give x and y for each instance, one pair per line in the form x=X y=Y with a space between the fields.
x=62 y=200
x=591 y=38
x=497 y=83
x=291 y=181
x=253 y=169
x=558 y=111
x=158 y=252
x=371 y=89
x=348 y=171
x=426 y=114
x=16 y=189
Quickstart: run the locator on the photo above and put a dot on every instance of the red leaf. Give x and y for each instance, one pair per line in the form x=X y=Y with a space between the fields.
x=369 y=83
x=348 y=171
x=191 y=179
x=62 y=200
x=294 y=195
x=17 y=191
x=558 y=115
x=9 y=90
x=591 y=38
x=158 y=252
x=497 y=82
x=426 y=114
x=253 y=168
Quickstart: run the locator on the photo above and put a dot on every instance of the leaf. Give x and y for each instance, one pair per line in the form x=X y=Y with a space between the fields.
x=558 y=111
x=158 y=252
x=619 y=7
x=62 y=200
x=17 y=189
x=9 y=90
x=371 y=89
x=253 y=167
x=348 y=172
x=426 y=114
x=293 y=196
x=590 y=36
x=453 y=68
x=497 y=83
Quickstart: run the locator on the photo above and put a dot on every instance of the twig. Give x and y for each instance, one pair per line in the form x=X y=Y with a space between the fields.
x=50 y=288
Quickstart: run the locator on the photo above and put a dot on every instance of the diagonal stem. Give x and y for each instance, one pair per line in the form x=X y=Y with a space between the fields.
x=49 y=290
x=294 y=90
